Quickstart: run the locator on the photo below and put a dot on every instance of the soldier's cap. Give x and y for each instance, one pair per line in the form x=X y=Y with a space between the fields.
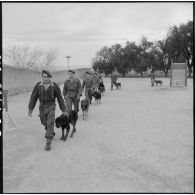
x=72 y=71
x=95 y=73
x=87 y=72
x=46 y=72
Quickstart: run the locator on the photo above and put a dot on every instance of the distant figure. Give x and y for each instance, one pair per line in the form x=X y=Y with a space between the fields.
x=152 y=75
x=72 y=91
x=47 y=91
x=113 y=80
x=88 y=84
x=96 y=82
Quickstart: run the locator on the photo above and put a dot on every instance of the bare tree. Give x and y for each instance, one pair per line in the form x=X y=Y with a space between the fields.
x=49 y=58
x=22 y=56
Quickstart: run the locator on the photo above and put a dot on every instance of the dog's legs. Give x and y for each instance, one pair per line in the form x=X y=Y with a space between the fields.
x=73 y=130
x=67 y=132
x=83 y=115
x=62 y=134
x=87 y=113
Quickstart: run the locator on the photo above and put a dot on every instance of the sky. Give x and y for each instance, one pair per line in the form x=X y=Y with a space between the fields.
x=81 y=29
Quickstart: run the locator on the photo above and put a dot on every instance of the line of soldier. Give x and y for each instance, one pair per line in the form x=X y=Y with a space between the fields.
x=47 y=92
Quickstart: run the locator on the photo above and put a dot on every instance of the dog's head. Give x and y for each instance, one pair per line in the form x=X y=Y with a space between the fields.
x=94 y=94
x=84 y=104
x=62 y=121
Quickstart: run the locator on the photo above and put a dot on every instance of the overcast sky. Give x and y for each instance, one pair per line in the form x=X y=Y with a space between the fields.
x=81 y=29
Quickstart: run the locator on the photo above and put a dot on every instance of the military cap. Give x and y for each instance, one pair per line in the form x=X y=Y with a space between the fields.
x=87 y=72
x=95 y=73
x=46 y=72
x=72 y=71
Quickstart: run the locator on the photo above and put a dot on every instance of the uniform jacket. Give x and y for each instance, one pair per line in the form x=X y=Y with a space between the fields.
x=46 y=96
x=87 y=83
x=96 y=81
x=72 y=88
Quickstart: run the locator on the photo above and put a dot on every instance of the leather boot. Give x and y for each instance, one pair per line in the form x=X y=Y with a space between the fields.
x=48 y=144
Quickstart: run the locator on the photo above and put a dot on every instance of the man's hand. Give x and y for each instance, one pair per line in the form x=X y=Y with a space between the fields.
x=30 y=113
x=65 y=113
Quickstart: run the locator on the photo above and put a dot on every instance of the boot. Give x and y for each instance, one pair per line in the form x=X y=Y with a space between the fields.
x=48 y=144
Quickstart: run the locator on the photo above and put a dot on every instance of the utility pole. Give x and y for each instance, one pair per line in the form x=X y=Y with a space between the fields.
x=68 y=60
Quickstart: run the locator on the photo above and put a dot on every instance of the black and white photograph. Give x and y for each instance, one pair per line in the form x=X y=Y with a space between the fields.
x=97 y=97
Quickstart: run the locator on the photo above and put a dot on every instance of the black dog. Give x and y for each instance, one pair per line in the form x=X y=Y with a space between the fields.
x=101 y=88
x=118 y=85
x=85 y=107
x=158 y=82
x=97 y=96
x=64 y=122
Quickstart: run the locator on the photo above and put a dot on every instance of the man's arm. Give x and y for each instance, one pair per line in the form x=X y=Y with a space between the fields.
x=60 y=98
x=79 y=88
x=83 y=84
x=65 y=89
x=33 y=99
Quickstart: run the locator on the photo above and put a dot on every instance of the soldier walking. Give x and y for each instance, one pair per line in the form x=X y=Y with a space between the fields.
x=113 y=79
x=88 y=84
x=46 y=91
x=96 y=82
x=72 y=91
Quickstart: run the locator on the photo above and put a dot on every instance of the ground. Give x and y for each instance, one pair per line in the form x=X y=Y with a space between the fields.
x=139 y=139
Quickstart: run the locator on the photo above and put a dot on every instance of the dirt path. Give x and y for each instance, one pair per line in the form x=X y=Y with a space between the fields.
x=139 y=139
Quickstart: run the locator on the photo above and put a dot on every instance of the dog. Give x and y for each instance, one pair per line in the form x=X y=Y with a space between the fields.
x=101 y=88
x=118 y=85
x=158 y=82
x=85 y=107
x=97 y=96
x=64 y=122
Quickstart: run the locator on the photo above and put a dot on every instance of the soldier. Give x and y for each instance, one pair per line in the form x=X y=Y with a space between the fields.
x=47 y=91
x=96 y=82
x=113 y=80
x=152 y=77
x=72 y=91
x=88 y=84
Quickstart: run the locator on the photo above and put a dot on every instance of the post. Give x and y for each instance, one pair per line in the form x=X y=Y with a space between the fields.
x=5 y=105
x=68 y=58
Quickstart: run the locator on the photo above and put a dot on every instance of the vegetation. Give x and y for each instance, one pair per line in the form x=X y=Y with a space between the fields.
x=176 y=47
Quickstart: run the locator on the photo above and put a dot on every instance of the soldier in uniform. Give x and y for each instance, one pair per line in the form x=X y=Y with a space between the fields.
x=113 y=79
x=72 y=91
x=96 y=82
x=88 y=84
x=152 y=77
x=46 y=91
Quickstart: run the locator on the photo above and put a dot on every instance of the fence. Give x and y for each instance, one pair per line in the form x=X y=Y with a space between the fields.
x=17 y=80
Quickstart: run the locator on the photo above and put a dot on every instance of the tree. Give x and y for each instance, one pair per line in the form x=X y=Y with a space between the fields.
x=49 y=58
x=102 y=61
x=179 y=44
x=22 y=56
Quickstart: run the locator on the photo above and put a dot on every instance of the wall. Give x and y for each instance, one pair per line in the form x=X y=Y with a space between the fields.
x=18 y=80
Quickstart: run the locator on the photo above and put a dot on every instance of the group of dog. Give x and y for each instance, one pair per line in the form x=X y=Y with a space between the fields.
x=64 y=121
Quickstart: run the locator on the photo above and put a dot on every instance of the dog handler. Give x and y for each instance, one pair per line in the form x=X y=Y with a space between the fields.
x=47 y=92
x=113 y=80
x=96 y=82
x=87 y=84
x=72 y=91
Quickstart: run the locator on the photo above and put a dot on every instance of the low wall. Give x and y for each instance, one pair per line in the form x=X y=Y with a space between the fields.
x=18 y=80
